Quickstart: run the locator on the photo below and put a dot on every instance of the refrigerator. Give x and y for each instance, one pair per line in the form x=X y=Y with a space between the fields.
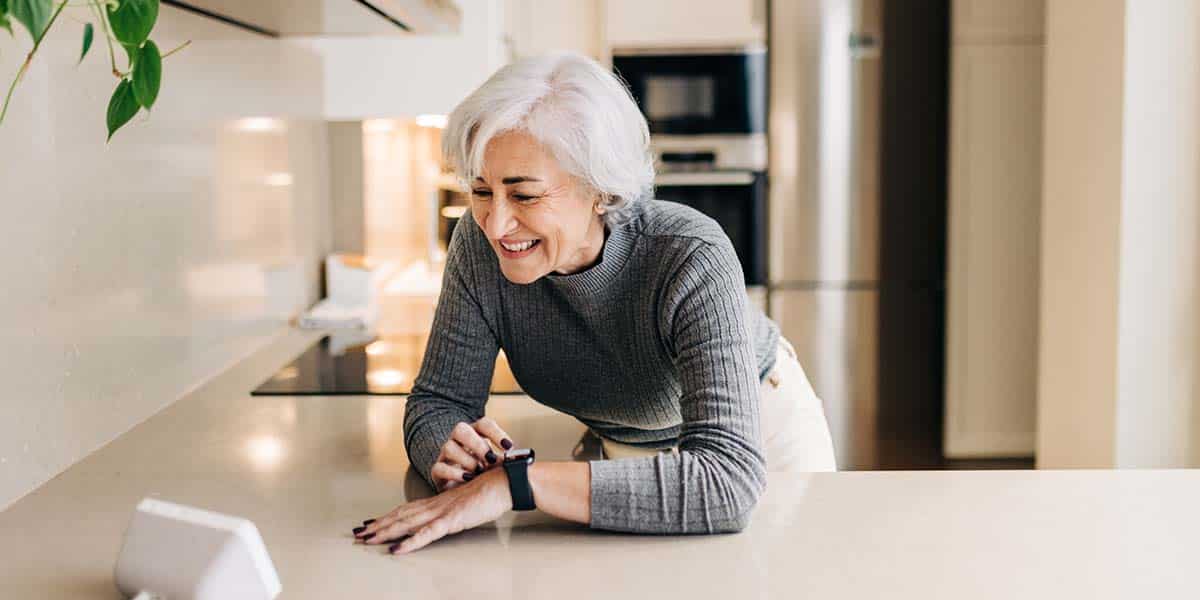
x=855 y=200
x=823 y=205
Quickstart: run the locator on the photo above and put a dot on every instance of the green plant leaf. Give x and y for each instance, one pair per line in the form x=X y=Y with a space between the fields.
x=33 y=14
x=131 y=53
x=147 y=74
x=132 y=20
x=88 y=32
x=122 y=107
x=4 y=16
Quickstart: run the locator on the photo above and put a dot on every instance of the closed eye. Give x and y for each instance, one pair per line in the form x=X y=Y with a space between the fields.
x=518 y=197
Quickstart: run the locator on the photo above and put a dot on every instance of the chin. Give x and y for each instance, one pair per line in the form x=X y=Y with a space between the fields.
x=520 y=277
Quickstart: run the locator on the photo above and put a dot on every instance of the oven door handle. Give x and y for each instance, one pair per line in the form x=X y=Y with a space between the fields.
x=697 y=178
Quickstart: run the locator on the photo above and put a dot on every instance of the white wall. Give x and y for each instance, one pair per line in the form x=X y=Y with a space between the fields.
x=135 y=270
x=1158 y=351
x=369 y=77
x=1118 y=355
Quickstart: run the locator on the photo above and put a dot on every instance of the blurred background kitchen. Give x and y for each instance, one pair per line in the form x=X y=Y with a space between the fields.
x=977 y=219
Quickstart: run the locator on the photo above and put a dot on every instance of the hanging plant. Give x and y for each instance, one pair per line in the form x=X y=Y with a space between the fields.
x=128 y=23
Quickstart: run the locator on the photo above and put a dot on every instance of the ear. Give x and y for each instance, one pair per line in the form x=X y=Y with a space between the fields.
x=598 y=205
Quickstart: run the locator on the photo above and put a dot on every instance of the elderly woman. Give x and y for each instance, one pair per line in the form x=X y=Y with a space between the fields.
x=625 y=312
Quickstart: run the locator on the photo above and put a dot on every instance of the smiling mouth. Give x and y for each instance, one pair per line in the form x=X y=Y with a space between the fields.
x=521 y=247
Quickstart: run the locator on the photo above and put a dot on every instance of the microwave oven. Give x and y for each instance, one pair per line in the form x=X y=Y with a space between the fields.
x=698 y=92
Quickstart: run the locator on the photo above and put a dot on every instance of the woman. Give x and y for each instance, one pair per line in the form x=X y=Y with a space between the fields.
x=626 y=312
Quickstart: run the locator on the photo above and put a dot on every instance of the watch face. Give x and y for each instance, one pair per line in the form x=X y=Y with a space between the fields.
x=518 y=455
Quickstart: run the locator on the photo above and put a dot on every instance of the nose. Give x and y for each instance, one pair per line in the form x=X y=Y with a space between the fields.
x=500 y=218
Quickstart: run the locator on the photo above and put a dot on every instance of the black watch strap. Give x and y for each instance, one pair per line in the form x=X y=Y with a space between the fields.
x=517 y=468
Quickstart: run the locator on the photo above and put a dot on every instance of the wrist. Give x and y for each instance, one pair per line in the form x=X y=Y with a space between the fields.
x=497 y=481
x=536 y=472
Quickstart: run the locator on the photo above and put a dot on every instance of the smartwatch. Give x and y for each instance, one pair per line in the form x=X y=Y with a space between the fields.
x=516 y=465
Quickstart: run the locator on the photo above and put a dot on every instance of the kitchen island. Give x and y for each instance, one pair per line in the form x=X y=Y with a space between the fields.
x=306 y=469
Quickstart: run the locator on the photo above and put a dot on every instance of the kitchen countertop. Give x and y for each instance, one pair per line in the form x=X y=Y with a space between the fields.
x=306 y=469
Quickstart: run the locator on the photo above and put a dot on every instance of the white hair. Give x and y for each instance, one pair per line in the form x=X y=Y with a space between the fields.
x=580 y=111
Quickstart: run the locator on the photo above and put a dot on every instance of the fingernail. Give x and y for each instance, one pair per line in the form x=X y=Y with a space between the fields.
x=507 y=443
x=369 y=536
x=490 y=456
x=468 y=476
x=368 y=521
x=478 y=469
x=392 y=548
x=358 y=530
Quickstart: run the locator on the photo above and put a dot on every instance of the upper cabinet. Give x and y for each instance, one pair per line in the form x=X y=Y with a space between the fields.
x=665 y=23
x=335 y=17
x=576 y=27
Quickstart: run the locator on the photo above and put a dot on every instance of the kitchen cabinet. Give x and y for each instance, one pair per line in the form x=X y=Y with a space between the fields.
x=335 y=17
x=409 y=75
x=577 y=25
x=665 y=23
x=1010 y=21
x=994 y=228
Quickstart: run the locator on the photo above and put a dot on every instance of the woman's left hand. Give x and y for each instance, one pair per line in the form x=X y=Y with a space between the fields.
x=424 y=521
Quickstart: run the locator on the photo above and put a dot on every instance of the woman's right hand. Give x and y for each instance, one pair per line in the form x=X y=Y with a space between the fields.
x=469 y=452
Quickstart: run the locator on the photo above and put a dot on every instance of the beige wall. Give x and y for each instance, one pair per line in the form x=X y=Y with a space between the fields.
x=136 y=269
x=1118 y=356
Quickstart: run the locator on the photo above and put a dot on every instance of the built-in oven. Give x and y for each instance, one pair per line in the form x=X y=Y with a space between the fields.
x=707 y=112
x=737 y=200
x=693 y=91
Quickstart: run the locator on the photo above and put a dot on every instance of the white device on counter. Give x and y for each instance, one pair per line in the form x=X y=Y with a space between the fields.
x=179 y=552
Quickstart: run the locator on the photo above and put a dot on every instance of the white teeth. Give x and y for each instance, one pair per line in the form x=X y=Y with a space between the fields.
x=518 y=247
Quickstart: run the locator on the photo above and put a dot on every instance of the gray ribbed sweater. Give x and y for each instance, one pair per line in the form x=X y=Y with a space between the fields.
x=656 y=345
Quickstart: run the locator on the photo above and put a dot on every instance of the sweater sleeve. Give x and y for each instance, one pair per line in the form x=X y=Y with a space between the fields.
x=713 y=483
x=456 y=371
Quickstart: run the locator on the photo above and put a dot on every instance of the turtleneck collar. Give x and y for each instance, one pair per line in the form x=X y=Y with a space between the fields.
x=618 y=246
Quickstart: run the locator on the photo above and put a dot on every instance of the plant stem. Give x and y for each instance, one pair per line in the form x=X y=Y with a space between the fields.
x=178 y=48
x=112 y=58
x=29 y=58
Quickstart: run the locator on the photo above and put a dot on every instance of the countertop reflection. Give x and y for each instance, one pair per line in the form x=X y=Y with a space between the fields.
x=306 y=469
x=357 y=364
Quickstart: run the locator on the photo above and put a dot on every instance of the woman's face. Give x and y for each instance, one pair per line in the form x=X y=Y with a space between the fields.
x=537 y=217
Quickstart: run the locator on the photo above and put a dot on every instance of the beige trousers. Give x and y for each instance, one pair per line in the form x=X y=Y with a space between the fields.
x=795 y=434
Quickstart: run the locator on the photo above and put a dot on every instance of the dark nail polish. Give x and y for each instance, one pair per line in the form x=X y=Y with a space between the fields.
x=369 y=536
x=468 y=476
x=490 y=456
x=368 y=522
x=478 y=469
x=392 y=548
x=358 y=530
x=507 y=443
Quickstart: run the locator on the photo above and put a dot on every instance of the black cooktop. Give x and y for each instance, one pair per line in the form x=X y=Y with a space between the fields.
x=357 y=365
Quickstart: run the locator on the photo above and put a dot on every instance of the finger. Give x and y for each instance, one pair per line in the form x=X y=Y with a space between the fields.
x=454 y=454
x=491 y=430
x=371 y=527
x=424 y=536
x=466 y=436
x=403 y=527
x=448 y=472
